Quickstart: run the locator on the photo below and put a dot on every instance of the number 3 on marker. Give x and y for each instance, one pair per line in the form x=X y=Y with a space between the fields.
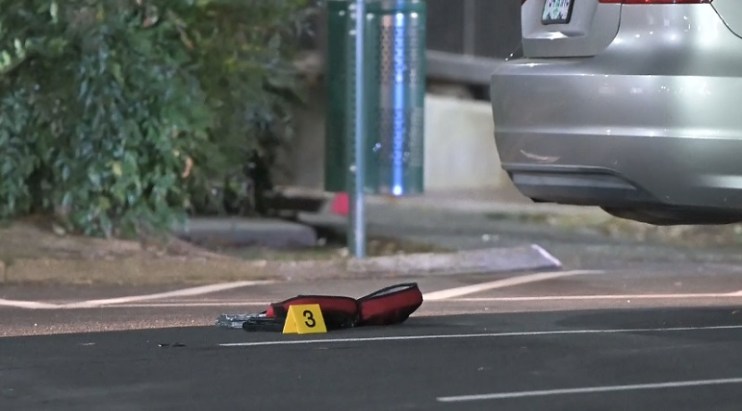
x=309 y=319
x=304 y=319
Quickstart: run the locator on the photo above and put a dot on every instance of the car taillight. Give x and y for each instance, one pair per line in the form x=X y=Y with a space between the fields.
x=657 y=1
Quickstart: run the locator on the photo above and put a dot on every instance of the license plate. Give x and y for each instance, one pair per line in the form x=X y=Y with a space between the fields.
x=557 y=11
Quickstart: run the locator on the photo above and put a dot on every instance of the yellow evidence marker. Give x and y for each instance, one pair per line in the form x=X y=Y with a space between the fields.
x=304 y=319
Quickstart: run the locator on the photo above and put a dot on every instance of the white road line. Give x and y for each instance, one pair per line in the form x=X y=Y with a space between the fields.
x=33 y=305
x=547 y=255
x=507 y=282
x=187 y=292
x=590 y=390
x=187 y=305
x=483 y=335
x=598 y=297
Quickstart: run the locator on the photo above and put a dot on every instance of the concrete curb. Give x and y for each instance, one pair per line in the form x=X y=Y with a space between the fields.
x=233 y=231
x=165 y=271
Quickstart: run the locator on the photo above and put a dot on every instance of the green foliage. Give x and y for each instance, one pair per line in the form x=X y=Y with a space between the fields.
x=117 y=113
x=250 y=80
x=18 y=159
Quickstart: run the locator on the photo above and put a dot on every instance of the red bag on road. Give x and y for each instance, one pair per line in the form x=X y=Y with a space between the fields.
x=391 y=305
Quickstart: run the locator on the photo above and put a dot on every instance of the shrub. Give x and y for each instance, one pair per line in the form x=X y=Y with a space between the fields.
x=116 y=113
x=251 y=82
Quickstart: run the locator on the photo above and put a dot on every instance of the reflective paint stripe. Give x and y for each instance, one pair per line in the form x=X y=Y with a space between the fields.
x=485 y=335
x=507 y=282
x=207 y=289
x=34 y=305
x=597 y=297
x=590 y=390
x=187 y=292
x=547 y=255
x=196 y=304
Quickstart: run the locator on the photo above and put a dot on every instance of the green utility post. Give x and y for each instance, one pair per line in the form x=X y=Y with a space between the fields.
x=376 y=91
x=339 y=81
x=396 y=95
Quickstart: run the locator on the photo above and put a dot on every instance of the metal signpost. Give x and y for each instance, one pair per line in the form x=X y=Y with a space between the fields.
x=357 y=232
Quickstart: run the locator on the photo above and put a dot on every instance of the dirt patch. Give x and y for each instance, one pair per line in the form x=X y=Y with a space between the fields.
x=31 y=252
x=31 y=239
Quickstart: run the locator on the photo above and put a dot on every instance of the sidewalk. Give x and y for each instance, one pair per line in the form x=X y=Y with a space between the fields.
x=495 y=201
x=425 y=217
x=503 y=199
x=280 y=233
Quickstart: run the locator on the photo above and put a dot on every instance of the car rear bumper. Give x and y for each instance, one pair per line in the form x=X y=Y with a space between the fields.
x=656 y=123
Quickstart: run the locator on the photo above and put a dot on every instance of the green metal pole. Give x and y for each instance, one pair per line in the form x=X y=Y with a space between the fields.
x=339 y=99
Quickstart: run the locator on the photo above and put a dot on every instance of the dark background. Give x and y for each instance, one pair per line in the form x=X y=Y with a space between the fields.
x=482 y=28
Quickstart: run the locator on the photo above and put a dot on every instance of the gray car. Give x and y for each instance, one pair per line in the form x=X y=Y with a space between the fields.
x=630 y=105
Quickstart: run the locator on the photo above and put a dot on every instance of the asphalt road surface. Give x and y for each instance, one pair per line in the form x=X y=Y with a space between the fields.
x=658 y=336
x=663 y=359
